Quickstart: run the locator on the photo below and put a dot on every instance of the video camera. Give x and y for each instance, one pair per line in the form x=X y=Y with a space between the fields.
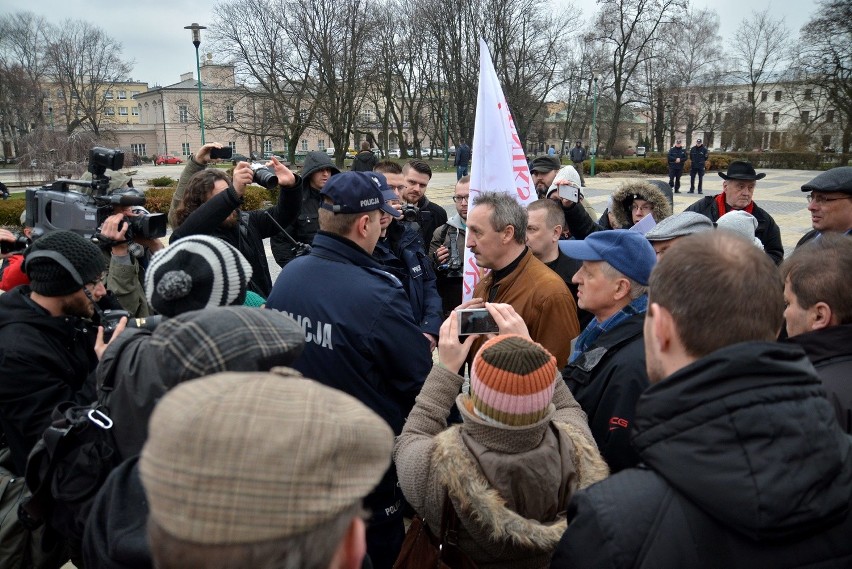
x=57 y=206
x=412 y=213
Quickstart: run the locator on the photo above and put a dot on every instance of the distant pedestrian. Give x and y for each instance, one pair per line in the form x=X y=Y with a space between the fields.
x=578 y=155
x=4 y=191
x=462 y=161
x=551 y=151
x=677 y=158
x=365 y=160
x=698 y=158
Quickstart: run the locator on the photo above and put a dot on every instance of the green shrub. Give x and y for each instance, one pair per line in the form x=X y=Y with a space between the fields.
x=161 y=182
x=10 y=212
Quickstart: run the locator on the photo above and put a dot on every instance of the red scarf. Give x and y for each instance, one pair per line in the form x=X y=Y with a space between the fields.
x=723 y=205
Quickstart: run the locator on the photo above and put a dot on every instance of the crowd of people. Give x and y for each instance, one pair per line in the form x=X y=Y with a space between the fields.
x=660 y=392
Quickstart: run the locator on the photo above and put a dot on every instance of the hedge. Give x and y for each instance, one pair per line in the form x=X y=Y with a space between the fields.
x=720 y=161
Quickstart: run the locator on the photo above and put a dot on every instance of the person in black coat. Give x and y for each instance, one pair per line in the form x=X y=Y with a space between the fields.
x=698 y=159
x=430 y=216
x=743 y=462
x=737 y=192
x=677 y=158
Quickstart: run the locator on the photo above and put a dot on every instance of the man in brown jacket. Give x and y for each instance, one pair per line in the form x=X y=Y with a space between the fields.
x=496 y=234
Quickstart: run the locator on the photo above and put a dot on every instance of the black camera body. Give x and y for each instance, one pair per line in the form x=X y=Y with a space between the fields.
x=264 y=176
x=20 y=243
x=57 y=206
x=111 y=318
x=412 y=213
x=453 y=266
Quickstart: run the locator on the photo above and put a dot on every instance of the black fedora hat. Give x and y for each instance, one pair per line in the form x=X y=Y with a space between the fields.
x=741 y=170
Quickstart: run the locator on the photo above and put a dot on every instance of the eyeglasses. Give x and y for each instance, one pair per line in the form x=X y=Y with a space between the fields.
x=645 y=207
x=460 y=199
x=821 y=199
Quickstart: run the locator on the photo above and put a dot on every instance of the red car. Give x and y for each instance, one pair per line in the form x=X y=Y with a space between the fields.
x=167 y=159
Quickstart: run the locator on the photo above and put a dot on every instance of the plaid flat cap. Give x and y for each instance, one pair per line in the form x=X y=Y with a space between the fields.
x=237 y=458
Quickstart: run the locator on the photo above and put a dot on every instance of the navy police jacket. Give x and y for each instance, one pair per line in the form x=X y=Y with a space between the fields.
x=360 y=333
x=402 y=254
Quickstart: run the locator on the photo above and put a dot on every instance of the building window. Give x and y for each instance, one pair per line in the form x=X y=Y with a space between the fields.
x=267 y=146
x=122 y=111
x=108 y=95
x=809 y=94
x=133 y=94
x=183 y=113
x=829 y=115
x=711 y=98
x=778 y=95
x=110 y=111
x=805 y=116
x=303 y=115
x=305 y=144
x=122 y=94
x=761 y=118
x=229 y=113
x=184 y=146
x=776 y=117
x=730 y=98
x=233 y=146
x=764 y=96
x=138 y=148
x=321 y=144
x=366 y=116
x=135 y=111
x=826 y=141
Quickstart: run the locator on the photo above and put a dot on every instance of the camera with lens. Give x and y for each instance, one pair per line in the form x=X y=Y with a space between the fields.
x=453 y=266
x=264 y=176
x=111 y=318
x=58 y=206
x=20 y=243
x=412 y=213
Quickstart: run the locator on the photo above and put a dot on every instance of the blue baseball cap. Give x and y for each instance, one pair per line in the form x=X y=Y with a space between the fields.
x=627 y=251
x=357 y=192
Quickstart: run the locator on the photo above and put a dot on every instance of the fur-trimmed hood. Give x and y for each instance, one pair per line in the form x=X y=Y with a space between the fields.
x=622 y=200
x=510 y=539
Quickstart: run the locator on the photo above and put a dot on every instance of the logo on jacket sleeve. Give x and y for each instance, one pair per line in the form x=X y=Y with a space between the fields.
x=618 y=423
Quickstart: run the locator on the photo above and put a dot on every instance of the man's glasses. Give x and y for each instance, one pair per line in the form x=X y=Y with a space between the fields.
x=645 y=207
x=460 y=199
x=821 y=199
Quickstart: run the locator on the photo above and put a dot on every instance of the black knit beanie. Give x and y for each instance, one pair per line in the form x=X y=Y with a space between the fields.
x=49 y=278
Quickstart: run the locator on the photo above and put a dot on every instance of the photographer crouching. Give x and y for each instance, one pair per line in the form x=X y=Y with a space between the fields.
x=207 y=202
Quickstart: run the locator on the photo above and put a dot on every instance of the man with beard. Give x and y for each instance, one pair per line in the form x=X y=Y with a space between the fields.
x=431 y=216
x=543 y=170
x=209 y=205
x=743 y=462
x=48 y=345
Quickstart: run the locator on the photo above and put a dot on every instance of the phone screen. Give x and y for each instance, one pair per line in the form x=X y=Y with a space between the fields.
x=476 y=321
x=224 y=152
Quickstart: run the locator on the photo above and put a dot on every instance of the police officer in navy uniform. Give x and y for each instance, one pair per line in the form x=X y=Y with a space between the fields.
x=361 y=335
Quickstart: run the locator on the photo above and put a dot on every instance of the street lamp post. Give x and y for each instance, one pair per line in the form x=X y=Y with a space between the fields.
x=669 y=125
x=446 y=137
x=593 y=138
x=196 y=41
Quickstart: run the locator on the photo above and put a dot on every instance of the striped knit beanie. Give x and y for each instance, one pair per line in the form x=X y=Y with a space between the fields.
x=512 y=381
x=197 y=272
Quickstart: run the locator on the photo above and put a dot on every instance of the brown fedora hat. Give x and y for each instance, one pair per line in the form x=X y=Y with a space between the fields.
x=741 y=170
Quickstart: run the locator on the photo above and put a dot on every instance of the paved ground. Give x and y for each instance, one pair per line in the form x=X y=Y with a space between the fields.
x=779 y=193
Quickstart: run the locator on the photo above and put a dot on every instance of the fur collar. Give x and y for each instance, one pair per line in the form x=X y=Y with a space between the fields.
x=623 y=198
x=474 y=498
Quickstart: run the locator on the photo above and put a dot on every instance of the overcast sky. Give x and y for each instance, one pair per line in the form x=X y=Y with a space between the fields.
x=152 y=34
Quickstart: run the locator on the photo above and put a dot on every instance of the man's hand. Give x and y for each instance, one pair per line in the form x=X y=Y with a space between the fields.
x=442 y=254
x=100 y=346
x=451 y=352
x=286 y=178
x=110 y=230
x=8 y=236
x=508 y=321
x=677 y=160
x=203 y=154
x=243 y=175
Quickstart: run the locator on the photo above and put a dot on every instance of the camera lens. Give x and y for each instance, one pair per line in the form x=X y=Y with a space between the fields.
x=265 y=177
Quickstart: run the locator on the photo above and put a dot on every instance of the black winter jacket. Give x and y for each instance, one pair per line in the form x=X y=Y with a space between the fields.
x=698 y=157
x=364 y=161
x=606 y=380
x=830 y=350
x=767 y=230
x=745 y=467
x=435 y=218
x=44 y=360
x=676 y=152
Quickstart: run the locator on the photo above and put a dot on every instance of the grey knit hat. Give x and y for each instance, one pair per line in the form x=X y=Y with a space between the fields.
x=197 y=272
x=740 y=222
x=48 y=260
x=679 y=225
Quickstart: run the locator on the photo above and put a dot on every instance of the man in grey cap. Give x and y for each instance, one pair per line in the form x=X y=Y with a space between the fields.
x=543 y=170
x=830 y=203
x=260 y=470
x=666 y=232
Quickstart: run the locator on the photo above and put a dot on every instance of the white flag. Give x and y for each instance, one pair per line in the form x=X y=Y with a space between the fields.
x=499 y=163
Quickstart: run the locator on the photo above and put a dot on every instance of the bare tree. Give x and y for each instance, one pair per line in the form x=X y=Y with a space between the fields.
x=827 y=41
x=761 y=51
x=629 y=29
x=85 y=64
